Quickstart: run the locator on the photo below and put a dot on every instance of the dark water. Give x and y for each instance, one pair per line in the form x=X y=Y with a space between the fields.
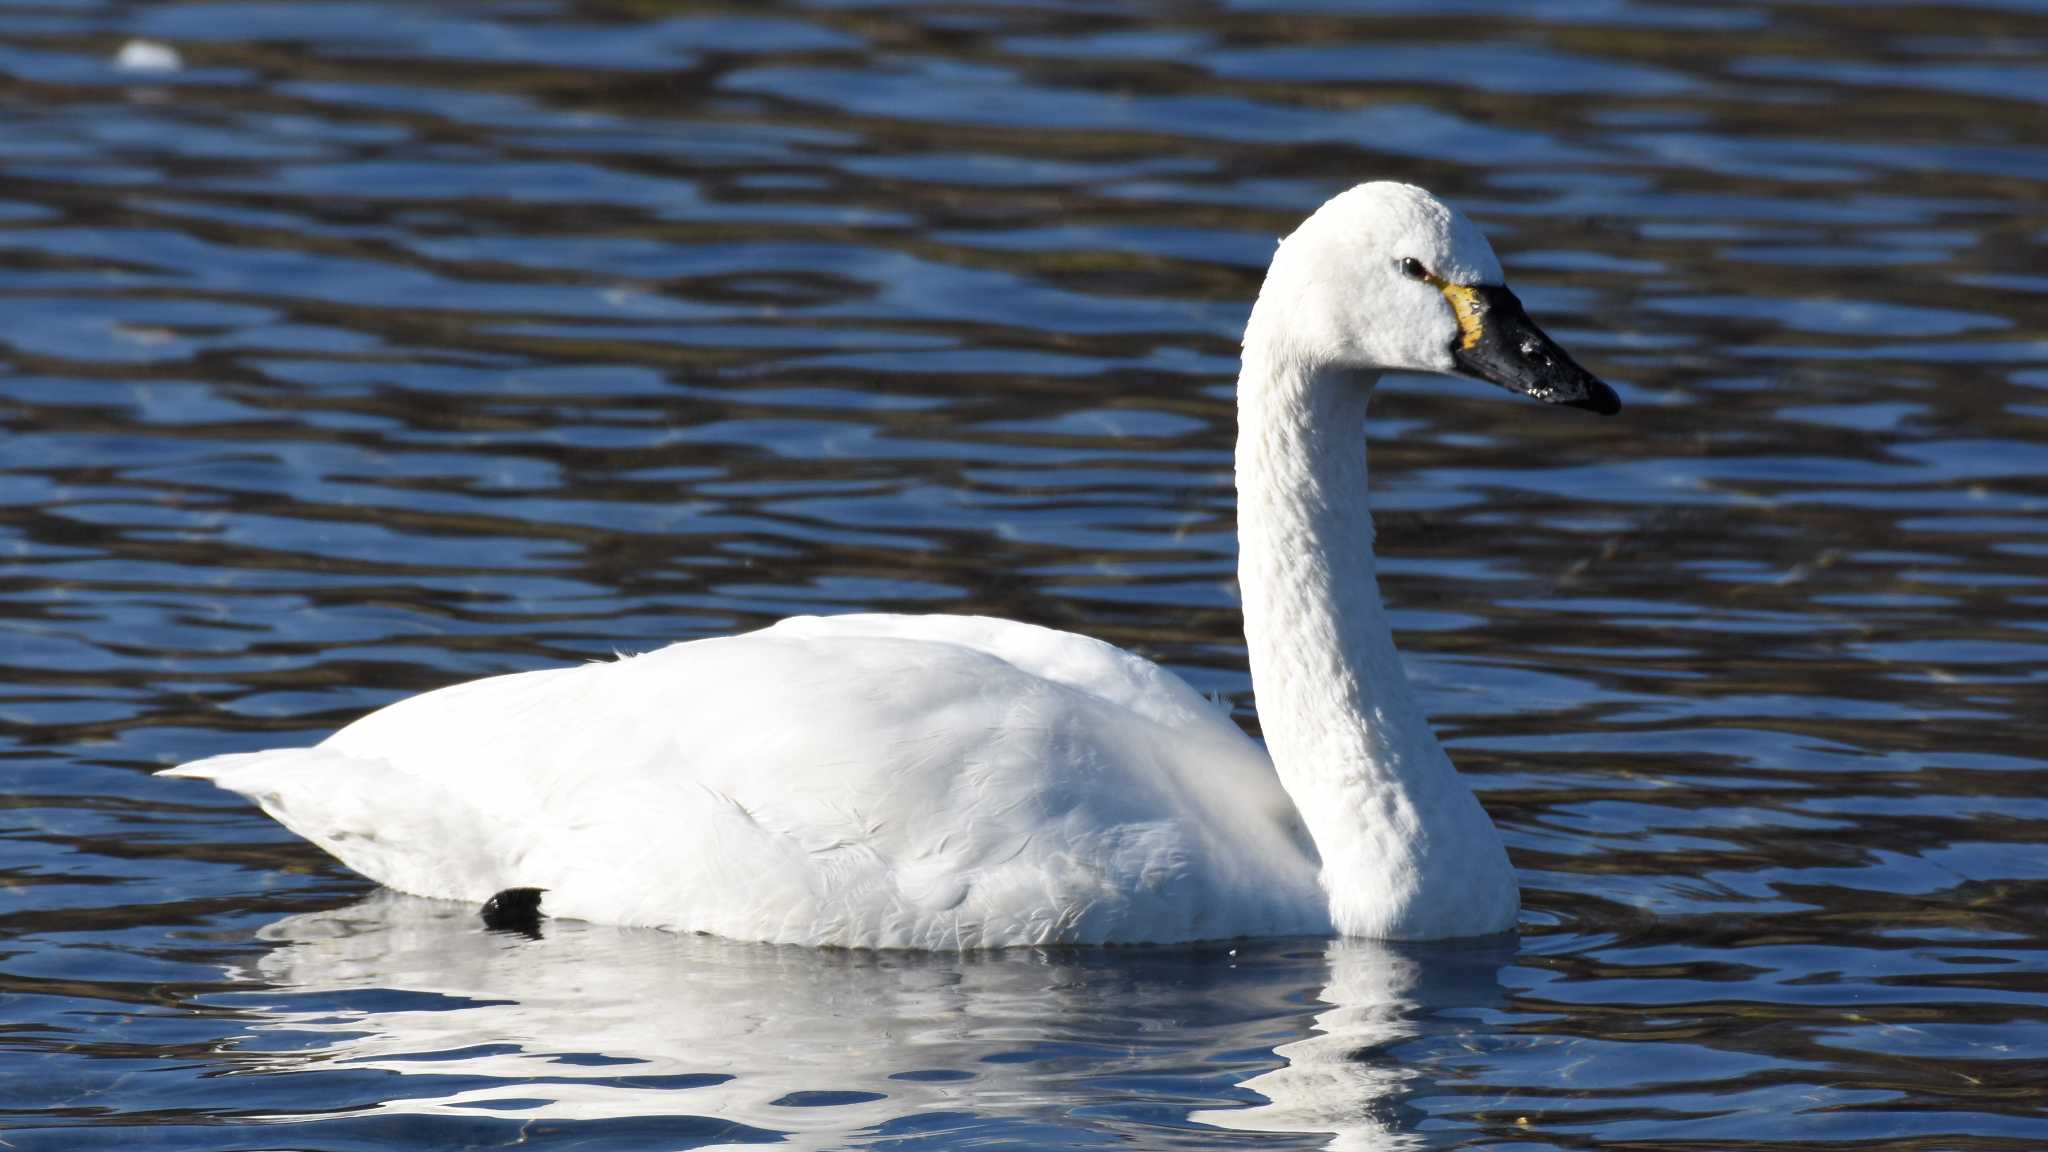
x=386 y=346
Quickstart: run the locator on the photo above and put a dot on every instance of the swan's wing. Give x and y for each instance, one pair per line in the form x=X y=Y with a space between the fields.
x=878 y=780
x=1082 y=663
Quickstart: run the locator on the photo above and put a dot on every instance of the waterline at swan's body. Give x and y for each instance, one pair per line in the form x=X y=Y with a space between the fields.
x=962 y=782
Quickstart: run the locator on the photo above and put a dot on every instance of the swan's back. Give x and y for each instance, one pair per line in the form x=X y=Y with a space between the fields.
x=864 y=781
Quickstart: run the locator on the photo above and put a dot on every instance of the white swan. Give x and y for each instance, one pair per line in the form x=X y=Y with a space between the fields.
x=960 y=782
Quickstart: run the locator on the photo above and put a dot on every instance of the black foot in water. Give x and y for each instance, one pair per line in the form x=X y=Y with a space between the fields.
x=514 y=910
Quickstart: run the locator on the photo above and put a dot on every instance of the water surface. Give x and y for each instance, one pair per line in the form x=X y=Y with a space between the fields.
x=383 y=346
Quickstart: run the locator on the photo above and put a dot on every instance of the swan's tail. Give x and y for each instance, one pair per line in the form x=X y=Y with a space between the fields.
x=396 y=828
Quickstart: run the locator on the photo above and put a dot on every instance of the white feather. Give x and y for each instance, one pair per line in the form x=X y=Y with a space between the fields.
x=960 y=782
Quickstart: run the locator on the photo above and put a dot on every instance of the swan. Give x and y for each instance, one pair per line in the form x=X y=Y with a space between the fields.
x=954 y=782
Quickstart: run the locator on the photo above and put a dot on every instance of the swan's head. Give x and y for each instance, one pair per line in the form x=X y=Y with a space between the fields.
x=1388 y=277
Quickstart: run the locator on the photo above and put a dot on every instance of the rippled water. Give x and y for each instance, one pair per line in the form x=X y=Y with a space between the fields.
x=385 y=346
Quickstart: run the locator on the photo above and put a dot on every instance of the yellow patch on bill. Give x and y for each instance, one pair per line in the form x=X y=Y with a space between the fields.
x=1470 y=311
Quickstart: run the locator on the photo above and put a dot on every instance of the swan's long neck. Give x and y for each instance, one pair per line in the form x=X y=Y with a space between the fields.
x=1406 y=849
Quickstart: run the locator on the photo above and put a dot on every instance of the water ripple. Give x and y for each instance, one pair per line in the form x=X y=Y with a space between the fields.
x=387 y=345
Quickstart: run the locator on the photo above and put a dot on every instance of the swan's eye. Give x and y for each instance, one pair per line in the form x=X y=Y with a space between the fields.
x=1413 y=269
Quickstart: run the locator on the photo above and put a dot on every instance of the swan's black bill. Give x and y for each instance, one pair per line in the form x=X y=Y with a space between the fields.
x=1501 y=345
x=515 y=910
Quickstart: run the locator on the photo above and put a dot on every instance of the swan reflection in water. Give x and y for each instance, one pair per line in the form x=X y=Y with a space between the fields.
x=827 y=1049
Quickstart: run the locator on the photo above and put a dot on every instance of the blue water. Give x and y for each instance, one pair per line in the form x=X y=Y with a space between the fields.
x=383 y=346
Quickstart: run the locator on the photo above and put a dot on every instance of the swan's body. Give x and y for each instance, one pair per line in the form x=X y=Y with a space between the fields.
x=883 y=781
x=959 y=782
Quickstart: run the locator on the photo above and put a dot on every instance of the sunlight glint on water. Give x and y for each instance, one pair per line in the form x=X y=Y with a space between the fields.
x=383 y=346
